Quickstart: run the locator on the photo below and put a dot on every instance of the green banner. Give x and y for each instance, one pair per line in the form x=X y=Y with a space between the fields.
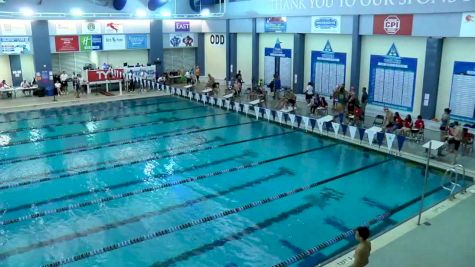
x=90 y=42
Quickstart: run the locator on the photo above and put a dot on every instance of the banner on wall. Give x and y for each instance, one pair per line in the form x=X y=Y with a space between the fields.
x=65 y=27
x=392 y=24
x=326 y=24
x=91 y=28
x=15 y=45
x=137 y=41
x=180 y=40
x=467 y=27
x=103 y=75
x=392 y=80
x=182 y=26
x=113 y=42
x=275 y=24
x=328 y=69
x=278 y=61
x=113 y=27
x=462 y=102
x=69 y=43
x=90 y=42
x=217 y=39
x=147 y=72
x=13 y=28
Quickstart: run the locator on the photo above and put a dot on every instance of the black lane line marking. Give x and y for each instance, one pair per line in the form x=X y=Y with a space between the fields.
x=245 y=153
x=347 y=234
x=202 y=220
x=81 y=107
x=114 y=162
x=232 y=237
x=111 y=144
x=154 y=188
x=97 y=229
x=66 y=175
x=80 y=112
x=114 y=117
x=48 y=138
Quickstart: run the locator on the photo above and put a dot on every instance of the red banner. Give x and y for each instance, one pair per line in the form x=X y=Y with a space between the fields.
x=102 y=75
x=68 y=43
x=392 y=24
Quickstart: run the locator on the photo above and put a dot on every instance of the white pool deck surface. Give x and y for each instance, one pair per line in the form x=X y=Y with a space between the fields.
x=446 y=237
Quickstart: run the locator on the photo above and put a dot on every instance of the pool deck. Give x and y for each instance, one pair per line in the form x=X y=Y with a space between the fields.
x=451 y=228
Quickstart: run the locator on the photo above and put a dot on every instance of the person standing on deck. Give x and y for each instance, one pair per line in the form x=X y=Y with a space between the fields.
x=363 y=249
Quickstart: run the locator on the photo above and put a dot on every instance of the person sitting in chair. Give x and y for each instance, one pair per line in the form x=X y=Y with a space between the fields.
x=237 y=88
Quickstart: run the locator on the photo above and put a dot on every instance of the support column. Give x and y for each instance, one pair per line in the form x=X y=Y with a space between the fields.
x=155 y=54
x=298 y=66
x=233 y=54
x=430 y=85
x=200 y=54
x=229 y=68
x=255 y=53
x=42 y=52
x=355 y=55
x=15 y=67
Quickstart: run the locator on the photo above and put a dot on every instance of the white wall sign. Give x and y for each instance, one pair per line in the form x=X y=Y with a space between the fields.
x=113 y=27
x=90 y=27
x=467 y=28
x=326 y=24
x=217 y=39
x=13 y=28
x=65 y=27
x=113 y=42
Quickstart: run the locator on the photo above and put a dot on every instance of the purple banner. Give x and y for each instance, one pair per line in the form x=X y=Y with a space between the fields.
x=182 y=26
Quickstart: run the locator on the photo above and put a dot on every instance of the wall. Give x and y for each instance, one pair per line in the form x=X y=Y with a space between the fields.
x=27 y=67
x=5 y=71
x=179 y=59
x=215 y=58
x=316 y=42
x=244 y=56
x=267 y=40
x=414 y=47
x=454 y=49
x=117 y=58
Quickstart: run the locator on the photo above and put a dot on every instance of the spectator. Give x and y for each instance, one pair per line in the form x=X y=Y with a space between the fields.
x=188 y=77
x=388 y=119
x=406 y=125
x=277 y=84
x=25 y=84
x=341 y=96
x=352 y=101
x=315 y=103
x=398 y=122
x=197 y=73
x=57 y=86
x=418 y=125
x=444 y=123
x=455 y=136
x=63 y=78
x=363 y=249
x=364 y=100
x=237 y=88
x=308 y=92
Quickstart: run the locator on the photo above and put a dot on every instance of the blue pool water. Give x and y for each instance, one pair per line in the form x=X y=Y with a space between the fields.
x=76 y=180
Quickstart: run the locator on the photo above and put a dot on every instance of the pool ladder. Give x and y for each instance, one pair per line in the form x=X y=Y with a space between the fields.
x=450 y=181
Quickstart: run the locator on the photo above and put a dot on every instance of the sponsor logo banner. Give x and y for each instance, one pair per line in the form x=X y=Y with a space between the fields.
x=467 y=28
x=91 y=28
x=182 y=26
x=275 y=24
x=103 y=75
x=113 y=42
x=393 y=24
x=15 y=45
x=182 y=40
x=90 y=42
x=326 y=24
x=65 y=27
x=137 y=41
x=113 y=27
x=13 y=28
x=69 y=43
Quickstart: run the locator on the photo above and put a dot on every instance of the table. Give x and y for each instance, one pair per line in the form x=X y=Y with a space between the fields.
x=435 y=144
x=374 y=129
x=288 y=109
x=106 y=83
x=228 y=96
x=15 y=89
x=327 y=118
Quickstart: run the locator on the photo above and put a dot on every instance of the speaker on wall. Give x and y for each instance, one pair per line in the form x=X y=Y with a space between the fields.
x=154 y=4
x=119 y=4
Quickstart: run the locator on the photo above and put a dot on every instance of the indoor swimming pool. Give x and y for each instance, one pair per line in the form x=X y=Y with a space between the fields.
x=169 y=182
